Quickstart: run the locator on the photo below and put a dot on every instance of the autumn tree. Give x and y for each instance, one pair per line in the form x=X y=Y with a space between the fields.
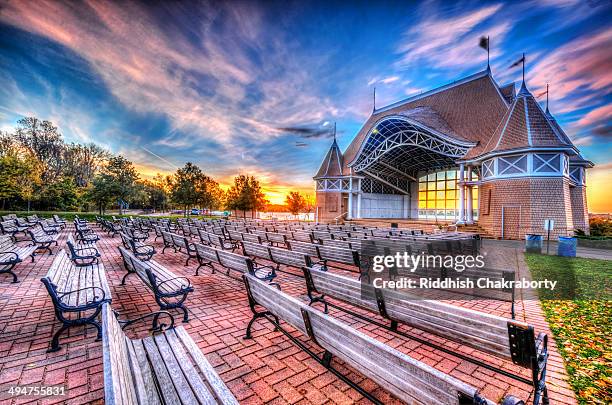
x=190 y=187
x=246 y=195
x=295 y=202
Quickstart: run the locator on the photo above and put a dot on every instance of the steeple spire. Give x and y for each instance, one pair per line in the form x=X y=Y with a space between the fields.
x=334 y=131
x=547 y=112
x=374 y=105
x=523 y=91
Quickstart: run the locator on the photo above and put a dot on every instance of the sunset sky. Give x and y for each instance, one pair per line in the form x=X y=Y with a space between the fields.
x=255 y=87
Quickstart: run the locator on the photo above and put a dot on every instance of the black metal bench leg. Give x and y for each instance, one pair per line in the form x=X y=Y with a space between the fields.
x=98 y=328
x=124 y=277
x=55 y=341
x=10 y=271
x=256 y=316
x=185 y=314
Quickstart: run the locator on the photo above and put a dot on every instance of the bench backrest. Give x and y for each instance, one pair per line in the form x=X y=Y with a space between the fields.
x=256 y=250
x=302 y=236
x=276 y=237
x=6 y=243
x=235 y=261
x=234 y=234
x=339 y=255
x=167 y=238
x=485 y=332
x=310 y=249
x=407 y=378
x=336 y=243
x=123 y=381
x=249 y=237
x=8 y=226
x=289 y=257
x=206 y=252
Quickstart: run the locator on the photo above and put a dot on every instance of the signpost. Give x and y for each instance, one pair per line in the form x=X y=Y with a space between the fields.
x=549 y=224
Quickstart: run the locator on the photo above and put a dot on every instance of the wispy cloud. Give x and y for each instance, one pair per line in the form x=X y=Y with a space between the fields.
x=450 y=41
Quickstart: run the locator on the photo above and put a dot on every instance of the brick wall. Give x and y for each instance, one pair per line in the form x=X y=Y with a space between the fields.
x=526 y=203
x=330 y=205
x=579 y=208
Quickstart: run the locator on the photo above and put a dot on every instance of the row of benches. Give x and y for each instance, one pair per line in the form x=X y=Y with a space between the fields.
x=167 y=367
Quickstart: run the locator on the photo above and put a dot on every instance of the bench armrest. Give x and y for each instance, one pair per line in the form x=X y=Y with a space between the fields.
x=87 y=251
x=10 y=260
x=183 y=286
x=157 y=327
x=96 y=300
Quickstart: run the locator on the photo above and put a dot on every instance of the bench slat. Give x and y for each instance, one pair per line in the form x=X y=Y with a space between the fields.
x=222 y=393
x=175 y=371
x=162 y=375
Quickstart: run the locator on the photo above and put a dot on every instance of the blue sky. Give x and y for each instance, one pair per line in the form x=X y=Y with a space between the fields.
x=248 y=87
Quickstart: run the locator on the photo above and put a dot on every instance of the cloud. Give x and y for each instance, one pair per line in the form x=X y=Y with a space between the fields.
x=201 y=80
x=596 y=116
x=451 y=41
x=309 y=131
x=577 y=70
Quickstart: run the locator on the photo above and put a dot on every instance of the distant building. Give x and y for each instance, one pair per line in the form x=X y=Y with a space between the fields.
x=468 y=152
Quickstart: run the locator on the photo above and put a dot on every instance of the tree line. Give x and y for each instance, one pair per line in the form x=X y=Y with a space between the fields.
x=39 y=170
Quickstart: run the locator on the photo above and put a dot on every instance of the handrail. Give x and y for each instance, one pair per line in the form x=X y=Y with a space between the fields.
x=340 y=216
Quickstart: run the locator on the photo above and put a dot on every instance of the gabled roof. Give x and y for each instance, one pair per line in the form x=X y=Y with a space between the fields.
x=469 y=109
x=524 y=125
x=332 y=164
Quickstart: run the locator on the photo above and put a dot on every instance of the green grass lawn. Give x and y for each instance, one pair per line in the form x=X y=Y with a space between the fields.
x=580 y=317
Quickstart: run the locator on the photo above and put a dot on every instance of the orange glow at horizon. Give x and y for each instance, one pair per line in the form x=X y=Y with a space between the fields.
x=275 y=193
x=599 y=192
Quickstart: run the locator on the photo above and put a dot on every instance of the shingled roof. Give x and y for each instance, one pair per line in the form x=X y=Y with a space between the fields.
x=332 y=164
x=474 y=109
x=524 y=125
x=470 y=110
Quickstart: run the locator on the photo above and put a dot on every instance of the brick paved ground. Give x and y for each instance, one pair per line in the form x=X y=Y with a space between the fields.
x=266 y=369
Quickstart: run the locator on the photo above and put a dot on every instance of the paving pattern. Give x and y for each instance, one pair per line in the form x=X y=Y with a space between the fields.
x=266 y=369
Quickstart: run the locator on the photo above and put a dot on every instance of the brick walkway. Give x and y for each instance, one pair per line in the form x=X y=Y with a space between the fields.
x=266 y=369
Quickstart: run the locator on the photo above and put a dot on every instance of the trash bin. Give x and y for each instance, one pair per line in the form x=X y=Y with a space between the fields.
x=533 y=243
x=567 y=246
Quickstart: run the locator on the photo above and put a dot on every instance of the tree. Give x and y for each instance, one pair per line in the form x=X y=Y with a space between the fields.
x=191 y=187
x=101 y=192
x=19 y=176
x=122 y=176
x=246 y=195
x=83 y=162
x=62 y=195
x=295 y=202
x=43 y=139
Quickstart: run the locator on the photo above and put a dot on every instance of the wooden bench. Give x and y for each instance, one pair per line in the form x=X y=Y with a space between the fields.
x=61 y=222
x=170 y=291
x=180 y=244
x=208 y=256
x=86 y=235
x=327 y=254
x=166 y=368
x=42 y=240
x=137 y=235
x=216 y=240
x=140 y=249
x=289 y=258
x=405 y=377
x=77 y=294
x=12 y=254
x=48 y=227
x=10 y=227
x=82 y=255
x=501 y=337
x=276 y=239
